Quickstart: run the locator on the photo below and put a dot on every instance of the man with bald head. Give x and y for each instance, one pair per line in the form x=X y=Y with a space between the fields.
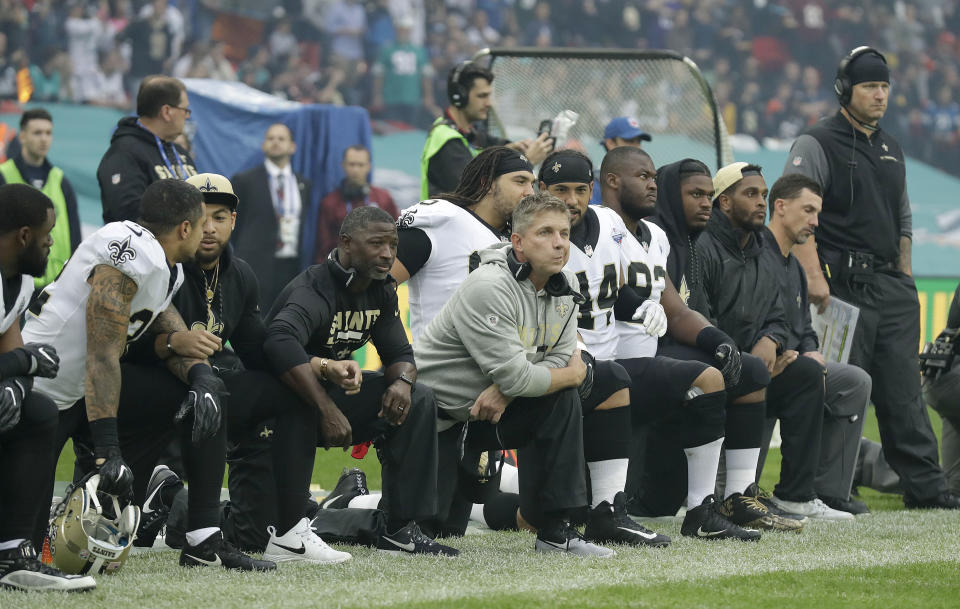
x=269 y=233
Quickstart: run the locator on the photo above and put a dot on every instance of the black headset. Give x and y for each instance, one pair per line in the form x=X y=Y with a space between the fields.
x=458 y=94
x=841 y=84
x=557 y=285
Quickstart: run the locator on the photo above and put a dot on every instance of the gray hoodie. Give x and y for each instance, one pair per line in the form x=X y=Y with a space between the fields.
x=495 y=330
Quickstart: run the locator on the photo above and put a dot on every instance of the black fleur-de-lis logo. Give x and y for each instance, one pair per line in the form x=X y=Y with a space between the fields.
x=208 y=187
x=120 y=251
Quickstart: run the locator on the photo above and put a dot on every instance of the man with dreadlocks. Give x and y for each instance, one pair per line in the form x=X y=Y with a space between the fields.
x=440 y=238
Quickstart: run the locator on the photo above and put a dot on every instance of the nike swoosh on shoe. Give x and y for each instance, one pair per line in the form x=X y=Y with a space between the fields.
x=640 y=533
x=702 y=533
x=408 y=547
x=301 y=550
x=329 y=500
x=210 y=563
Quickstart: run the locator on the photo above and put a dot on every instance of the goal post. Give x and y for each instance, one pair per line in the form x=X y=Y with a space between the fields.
x=663 y=90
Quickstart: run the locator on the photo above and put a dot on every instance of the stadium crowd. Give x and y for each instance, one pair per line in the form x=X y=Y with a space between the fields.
x=770 y=63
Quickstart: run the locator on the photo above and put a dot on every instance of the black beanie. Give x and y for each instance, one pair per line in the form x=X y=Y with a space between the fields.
x=868 y=67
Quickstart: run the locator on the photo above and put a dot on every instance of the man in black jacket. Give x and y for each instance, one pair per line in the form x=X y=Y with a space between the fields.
x=271 y=228
x=317 y=322
x=794 y=204
x=142 y=149
x=741 y=295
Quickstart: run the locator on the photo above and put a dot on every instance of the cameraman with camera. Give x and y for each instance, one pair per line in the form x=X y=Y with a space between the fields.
x=941 y=389
x=459 y=135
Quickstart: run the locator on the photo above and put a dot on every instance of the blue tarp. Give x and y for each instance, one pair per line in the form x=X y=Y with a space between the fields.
x=231 y=119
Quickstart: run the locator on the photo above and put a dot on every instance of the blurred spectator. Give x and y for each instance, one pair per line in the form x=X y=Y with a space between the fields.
x=255 y=72
x=151 y=42
x=282 y=43
x=49 y=77
x=45 y=27
x=540 y=30
x=84 y=32
x=109 y=90
x=8 y=72
x=480 y=34
x=403 y=80
x=346 y=23
x=169 y=14
x=354 y=191
x=380 y=31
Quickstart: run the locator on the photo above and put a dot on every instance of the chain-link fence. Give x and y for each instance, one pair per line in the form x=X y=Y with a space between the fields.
x=664 y=91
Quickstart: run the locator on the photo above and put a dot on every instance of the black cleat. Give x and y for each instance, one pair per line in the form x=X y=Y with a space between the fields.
x=610 y=524
x=746 y=511
x=352 y=483
x=943 y=501
x=215 y=551
x=851 y=505
x=164 y=484
x=21 y=570
x=411 y=540
x=704 y=522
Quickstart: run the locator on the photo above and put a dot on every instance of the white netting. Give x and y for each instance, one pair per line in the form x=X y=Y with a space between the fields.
x=665 y=93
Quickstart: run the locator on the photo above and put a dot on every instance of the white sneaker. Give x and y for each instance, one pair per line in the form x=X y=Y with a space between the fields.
x=815 y=509
x=301 y=544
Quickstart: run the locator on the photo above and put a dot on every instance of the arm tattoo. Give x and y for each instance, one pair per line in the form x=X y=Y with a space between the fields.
x=169 y=320
x=179 y=366
x=108 y=317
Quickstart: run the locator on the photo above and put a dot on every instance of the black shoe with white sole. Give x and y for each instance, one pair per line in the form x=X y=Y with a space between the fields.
x=704 y=522
x=20 y=569
x=215 y=551
x=352 y=483
x=411 y=540
x=608 y=523
x=163 y=486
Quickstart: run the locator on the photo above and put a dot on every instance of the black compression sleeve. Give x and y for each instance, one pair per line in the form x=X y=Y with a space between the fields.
x=14 y=363
x=413 y=249
x=628 y=300
x=712 y=337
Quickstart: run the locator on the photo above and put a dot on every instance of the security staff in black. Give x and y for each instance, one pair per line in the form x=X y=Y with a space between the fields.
x=329 y=311
x=862 y=255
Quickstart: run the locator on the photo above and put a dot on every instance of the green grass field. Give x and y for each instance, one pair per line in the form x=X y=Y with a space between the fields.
x=891 y=559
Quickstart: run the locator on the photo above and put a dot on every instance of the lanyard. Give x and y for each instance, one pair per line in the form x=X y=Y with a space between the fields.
x=349 y=204
x=163 y=154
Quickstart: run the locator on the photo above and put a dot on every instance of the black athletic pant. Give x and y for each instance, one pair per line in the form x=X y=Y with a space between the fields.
x=548 y=433
x=71 y=424
x=659 y=475
x=149 y=398
x=795 y=396
x=27 y=471
x=885 y=346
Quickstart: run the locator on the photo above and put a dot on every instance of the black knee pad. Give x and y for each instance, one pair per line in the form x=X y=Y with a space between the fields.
x=753 y=376
x=609 y=377
x=606 y=434
x=744 y=425
x=705 y=417
x=501 y=511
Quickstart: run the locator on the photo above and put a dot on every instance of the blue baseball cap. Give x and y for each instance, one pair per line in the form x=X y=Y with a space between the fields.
x=625 y=127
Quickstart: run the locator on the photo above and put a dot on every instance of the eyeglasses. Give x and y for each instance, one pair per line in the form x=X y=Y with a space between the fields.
x=186 y=109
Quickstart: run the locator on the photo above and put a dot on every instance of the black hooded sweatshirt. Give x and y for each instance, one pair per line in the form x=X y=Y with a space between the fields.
x=133 y=162
x=741 y=287
x=682 y=263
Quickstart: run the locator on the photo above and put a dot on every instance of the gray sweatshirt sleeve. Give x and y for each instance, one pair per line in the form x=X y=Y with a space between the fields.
x=487 y=322
x=807 y=157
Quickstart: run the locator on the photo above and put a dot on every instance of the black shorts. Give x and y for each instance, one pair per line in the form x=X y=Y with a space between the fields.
x=659 y=383
x=609 y=377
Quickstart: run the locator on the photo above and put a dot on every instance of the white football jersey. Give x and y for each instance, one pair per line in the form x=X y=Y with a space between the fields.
x=58 y=316
x=455 y=235
x=645 y=266
x=20 y=304
x=597 y=263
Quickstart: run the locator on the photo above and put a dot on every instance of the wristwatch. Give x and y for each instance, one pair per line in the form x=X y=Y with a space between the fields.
x=406 y=379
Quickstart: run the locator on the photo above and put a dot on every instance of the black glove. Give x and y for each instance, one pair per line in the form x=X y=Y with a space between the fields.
x=586 y=387
x=205 y=398
x=714 y=340
x=44 y=360
x=116 y=477
x=11 y=402
x=728 y=360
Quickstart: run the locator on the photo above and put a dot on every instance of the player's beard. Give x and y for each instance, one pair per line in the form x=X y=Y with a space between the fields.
x=33 y=260
x=204 y=258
